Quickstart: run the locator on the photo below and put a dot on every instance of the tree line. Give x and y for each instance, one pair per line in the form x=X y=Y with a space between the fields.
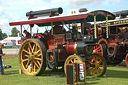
x=14 y=33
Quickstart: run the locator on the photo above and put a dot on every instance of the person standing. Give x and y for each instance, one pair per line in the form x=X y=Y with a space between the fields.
x=1 y=54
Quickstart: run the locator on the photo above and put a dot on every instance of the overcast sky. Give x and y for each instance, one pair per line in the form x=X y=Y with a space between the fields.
x=14 y=10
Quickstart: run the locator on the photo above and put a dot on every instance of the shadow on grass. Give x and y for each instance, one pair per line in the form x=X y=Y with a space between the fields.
x=61 y=74
x=12 y=72
x=117 y=74
x=93 y=83
x=54 y=73
x=94 y=79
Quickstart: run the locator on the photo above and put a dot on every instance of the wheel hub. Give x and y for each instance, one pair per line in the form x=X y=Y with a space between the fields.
x=31 y=57
x=96 y=65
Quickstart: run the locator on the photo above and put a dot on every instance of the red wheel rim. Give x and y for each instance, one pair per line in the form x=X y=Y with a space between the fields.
x=98 y=49
x=126 y=59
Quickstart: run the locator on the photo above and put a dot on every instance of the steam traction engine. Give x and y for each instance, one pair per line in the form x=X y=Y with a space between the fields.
x=114 y=48
x=58 y=46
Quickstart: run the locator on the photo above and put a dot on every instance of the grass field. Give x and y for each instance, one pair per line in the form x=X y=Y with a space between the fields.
x=114 y=76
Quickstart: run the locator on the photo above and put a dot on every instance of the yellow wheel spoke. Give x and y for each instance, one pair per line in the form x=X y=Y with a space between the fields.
x=79 y=61
x=36 y=65
x=37 y=51
x=39 y=55
x=38 y=59
x=30 y=46
x=29 y=50
x=36 y=48
x=97 y=58
x=94 y=70
x=26 y=51
x=24 y=60
x=26 y=55
x=27 y=64
x=72 y=61
x=90 y=69
x=33 y=48
x=97 y=71
x=99 y=62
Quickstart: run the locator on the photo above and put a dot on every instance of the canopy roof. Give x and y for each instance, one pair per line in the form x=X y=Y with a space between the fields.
x=123 y=21
x=89 y=16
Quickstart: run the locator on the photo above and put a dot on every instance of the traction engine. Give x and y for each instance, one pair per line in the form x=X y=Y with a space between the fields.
x=58 y=47
x=114 y=48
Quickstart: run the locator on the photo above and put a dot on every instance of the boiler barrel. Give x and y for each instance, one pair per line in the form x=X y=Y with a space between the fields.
x=54 y=11
x=79 y=48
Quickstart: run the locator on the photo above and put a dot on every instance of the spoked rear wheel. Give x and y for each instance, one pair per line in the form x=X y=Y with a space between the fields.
x=100 y=49
x=97 y=67
x=32 y=57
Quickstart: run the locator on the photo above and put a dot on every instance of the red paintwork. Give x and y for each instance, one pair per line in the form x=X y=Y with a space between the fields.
x=49 y=20
x=98 y=49
x=36 y=35
x=112 y=43
x=50 y=40
x=26 y=37
x=70 y=48
x=20 y=42
x=115 y=38
x=52 y=46
x=102 y=41
x=126 y=59
x=62 y=55
x=59 y=39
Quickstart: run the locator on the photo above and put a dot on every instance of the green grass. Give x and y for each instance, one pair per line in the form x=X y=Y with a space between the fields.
x=114 y=76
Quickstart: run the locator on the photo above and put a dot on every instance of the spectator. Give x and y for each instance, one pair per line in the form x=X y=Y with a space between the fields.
x=27 y=34
x=1 y=64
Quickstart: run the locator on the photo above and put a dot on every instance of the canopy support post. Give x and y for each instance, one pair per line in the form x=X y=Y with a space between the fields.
x=83 y=26
x=95 y=31
x=30 y=30
x=107 y=29
x=52 y=28
x=21 y=30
